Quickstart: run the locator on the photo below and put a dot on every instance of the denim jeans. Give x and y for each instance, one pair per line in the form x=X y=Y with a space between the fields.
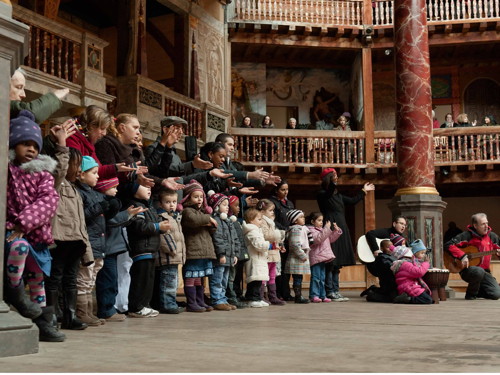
x=218 y=283
x=317 y=288
x=106 y=287
x=168 y=278
x=331 y=278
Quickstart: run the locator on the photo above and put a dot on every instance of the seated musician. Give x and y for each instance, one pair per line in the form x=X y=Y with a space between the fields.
x=481 y=283
x=381 y=267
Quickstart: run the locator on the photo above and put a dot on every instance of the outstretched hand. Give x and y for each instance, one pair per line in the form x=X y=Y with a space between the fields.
x=172 y=184
x=132 y=211
x=200 y=163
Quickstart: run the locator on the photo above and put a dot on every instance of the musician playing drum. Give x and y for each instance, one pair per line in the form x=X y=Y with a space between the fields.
x=479 y=235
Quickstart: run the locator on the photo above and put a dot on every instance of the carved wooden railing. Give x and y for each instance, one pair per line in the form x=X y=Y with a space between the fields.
x=54 y=48
x=314 y=12
x=327 y=13
x=457 y=146
x=316 y=147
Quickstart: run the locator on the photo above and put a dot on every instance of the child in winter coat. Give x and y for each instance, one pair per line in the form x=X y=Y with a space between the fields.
x=320 y=254
x=256 y=268
x=71 y=238
x=106 y=284
x=299 y=239
x=144 y=239
x=31 y=204
x=226 y=247
x=276 y=238
x=409 y=271
x=172 y=253
x=234 y=291
x=197 y=226
x=97 y=209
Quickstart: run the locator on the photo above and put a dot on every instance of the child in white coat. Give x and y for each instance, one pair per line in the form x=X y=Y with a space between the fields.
x=256 y=268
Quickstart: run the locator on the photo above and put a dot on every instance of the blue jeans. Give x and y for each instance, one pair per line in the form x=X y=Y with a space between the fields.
x=168 y=276
x=106 y=287
x=317 y=288
x=331 y=278
x=218 y=284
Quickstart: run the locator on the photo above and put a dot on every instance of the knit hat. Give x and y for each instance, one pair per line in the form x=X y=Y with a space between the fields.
x=293 y=215
x=190 y=188
x=401 y=251
x=172 y=120
x=88 y=162
x=417 y=246
x=346 y=114
x=215 y=199
x=397 y=239
x=103 y=185
x=232 y=199
x=130 y=189
x=24 y=128
x=326 y=171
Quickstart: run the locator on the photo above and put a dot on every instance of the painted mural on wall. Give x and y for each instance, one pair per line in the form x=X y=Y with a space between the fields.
x=248 y=92
x=319 y=94
x=384 y=107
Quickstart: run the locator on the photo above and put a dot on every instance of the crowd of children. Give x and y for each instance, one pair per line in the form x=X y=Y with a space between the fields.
x=67 y=226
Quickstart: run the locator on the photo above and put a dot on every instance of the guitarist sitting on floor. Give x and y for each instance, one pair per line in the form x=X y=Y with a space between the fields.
x=479 y=235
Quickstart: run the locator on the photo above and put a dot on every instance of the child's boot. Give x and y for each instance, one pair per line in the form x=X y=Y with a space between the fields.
x=200 y=298
x=47 y=331
x=18 y=298
x=70 y=320
x=81 y=311
x=90 y=309
x=191 y=297
x=273 y=298
x=263 y=294
x=297 y=289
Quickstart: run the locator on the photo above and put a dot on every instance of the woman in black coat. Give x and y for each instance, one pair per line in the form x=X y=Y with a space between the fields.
x=332 y=205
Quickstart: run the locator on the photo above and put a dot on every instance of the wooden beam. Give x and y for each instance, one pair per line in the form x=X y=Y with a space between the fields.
x=162 y=40
x=465 y=28
x=296 y=40
x=368 y=113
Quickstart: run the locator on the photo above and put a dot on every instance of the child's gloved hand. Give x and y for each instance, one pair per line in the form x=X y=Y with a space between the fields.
x=113 y=208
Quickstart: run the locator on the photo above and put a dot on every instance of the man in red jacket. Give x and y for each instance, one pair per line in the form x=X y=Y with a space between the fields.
x=481 y=283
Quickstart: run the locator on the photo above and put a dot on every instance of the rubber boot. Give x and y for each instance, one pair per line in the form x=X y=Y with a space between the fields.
x=53 y=300
x=70 y=320
x=192 y=300
x=81 y=311
x=200 y=298
x=47 y=330
x=18 y=298
x=263 y=294
x=90 y=309
x=298 y=295
x=273 y=298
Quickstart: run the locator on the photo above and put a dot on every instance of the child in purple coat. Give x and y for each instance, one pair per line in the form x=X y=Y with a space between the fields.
x=408 y=272
x=31 y=203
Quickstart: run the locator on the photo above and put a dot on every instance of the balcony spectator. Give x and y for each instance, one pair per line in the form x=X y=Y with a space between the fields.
x=267 y=144
x=342 y=124
x=448 y=121
x=293 y=145
x=348 y=116
x=246 y=122
x=267 y=123
x=489 y=120
x=435 y=122
x=42 y=108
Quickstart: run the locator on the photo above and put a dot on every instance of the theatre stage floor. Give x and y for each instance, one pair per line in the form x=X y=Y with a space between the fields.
x=354 y=336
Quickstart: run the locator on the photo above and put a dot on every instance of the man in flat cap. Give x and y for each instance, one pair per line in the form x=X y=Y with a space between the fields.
x=162 y=152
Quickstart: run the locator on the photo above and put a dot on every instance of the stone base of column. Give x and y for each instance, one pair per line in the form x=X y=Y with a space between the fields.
x=424 y=214
x=18 y=335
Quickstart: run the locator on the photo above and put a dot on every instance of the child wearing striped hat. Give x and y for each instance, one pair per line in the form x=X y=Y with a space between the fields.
x=299 y=242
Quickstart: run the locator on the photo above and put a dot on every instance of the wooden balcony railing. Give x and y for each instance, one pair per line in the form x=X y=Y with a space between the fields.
x=188 y=109
x=458 y=146
x=328 y=13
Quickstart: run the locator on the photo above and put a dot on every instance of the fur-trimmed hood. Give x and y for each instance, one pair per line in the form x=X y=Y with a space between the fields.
x=40 y=164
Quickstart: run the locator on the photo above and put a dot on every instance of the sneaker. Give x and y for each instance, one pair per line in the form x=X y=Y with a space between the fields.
x=316 y=300
x=326 y=300
x=341 y=296
x=337 y=297
x=264 y=303
x=146 y=312
x=116 y=318
x=255 y=304
x=154 y=313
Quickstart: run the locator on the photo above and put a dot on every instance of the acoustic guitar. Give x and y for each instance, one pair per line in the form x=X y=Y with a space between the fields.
x=365 y=254
x=455 y=265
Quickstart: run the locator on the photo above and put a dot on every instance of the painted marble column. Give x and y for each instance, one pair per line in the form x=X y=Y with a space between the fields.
x=416 y=198
x=413 y=98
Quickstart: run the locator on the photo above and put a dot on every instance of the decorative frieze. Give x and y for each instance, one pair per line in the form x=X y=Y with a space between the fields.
x=215 y=122
x=150 y=98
